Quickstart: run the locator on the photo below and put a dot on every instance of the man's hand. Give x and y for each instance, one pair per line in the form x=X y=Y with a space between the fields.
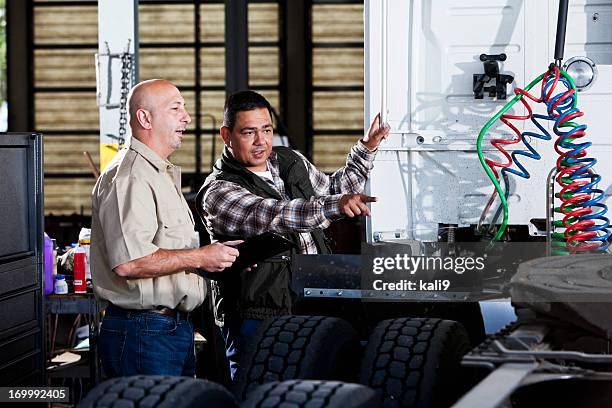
x=352 y=205
x=212 y=258
x=218 y=256
x=376 y=134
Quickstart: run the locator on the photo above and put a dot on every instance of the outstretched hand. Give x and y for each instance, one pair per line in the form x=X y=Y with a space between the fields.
x=376 y=133
x=352 y=205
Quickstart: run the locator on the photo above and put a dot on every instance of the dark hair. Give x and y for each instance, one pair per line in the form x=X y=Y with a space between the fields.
x=242 y=101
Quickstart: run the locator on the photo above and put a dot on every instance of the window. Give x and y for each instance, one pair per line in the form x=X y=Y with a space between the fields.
x=337 y=80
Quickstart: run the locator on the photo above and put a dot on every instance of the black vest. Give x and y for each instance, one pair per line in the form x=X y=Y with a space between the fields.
x=265 y=291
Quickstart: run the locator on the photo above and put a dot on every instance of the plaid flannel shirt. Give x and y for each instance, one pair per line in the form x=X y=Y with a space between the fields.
x=232 y=210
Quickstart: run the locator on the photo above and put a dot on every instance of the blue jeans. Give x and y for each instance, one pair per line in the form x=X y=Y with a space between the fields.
x=135 y=342
x=236 y=334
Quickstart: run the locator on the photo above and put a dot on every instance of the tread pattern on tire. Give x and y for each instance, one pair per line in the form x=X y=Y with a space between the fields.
x=285 y=349
x=144 y=391
x=311 y=394
x=404 y=356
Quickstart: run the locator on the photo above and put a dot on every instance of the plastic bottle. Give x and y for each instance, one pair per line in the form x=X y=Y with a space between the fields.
x=48 y=265
x=61 y=287
x=80 y=285
x=85 y=241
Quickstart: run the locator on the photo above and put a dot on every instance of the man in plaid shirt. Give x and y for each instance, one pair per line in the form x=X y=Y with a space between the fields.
x=254 y=189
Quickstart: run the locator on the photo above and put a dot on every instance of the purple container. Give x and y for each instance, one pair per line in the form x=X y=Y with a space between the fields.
x=48 y=265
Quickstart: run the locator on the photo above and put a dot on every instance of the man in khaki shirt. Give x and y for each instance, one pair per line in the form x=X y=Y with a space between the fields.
x=144 y=244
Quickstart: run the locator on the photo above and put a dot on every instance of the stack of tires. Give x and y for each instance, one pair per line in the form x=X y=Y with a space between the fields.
x=408 y=362
x=318 y=361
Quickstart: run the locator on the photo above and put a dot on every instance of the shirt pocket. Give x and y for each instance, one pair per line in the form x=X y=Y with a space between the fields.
x=175 y=228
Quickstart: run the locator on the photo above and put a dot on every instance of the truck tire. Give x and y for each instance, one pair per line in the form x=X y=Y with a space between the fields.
x=145 y=391
x=311 y=394
x=298 y=347
x=415 y=362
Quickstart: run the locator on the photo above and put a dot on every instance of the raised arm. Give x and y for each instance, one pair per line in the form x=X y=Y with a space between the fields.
x=352 y=177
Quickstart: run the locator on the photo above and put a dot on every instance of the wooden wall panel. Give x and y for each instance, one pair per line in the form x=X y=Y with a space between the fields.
x=67 y=196
x=337 y=110
x=64 y=154
x=212 y=104
x=177 y=65
x=166 y=23
x=337 y=22
x=263 y=66
x=212 y=22
x=330 y=151
x=63 y=110
x=212 y=68
x=66 y=25
x=64 y=68
x=337 y=66
x=263 y=22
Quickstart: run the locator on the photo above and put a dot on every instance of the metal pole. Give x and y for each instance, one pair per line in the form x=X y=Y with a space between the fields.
x=236 y=46
x=383 y=90
x=561 y=27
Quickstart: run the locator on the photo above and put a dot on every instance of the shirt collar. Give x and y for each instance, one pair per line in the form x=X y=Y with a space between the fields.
x=149 y=155
x=272 y=160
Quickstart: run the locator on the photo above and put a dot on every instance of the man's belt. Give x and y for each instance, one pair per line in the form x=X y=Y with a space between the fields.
x=162 y=310
x=173 y=313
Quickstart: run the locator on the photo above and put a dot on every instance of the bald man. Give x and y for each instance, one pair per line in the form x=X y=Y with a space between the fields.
x=144 y=244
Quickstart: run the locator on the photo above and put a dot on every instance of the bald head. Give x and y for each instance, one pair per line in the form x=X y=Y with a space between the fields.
x=144 y=95
x=158 y=116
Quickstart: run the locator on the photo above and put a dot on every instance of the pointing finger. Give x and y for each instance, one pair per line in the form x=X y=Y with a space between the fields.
x=368 y=199
x=233 y=243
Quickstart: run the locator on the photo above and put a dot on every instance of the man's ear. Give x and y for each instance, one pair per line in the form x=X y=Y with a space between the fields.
x=225 y=134
x=144 y=118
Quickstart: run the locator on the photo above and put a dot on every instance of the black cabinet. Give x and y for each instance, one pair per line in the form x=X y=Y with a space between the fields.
x=22 y=330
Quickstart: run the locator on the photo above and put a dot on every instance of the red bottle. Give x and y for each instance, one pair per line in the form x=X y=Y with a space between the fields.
x=80 y=284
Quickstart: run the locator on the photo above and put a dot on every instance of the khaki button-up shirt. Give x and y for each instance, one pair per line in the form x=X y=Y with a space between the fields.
x=138 y=208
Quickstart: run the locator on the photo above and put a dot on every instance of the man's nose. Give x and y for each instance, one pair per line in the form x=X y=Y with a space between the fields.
x=259 y=137
x=187 y=118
